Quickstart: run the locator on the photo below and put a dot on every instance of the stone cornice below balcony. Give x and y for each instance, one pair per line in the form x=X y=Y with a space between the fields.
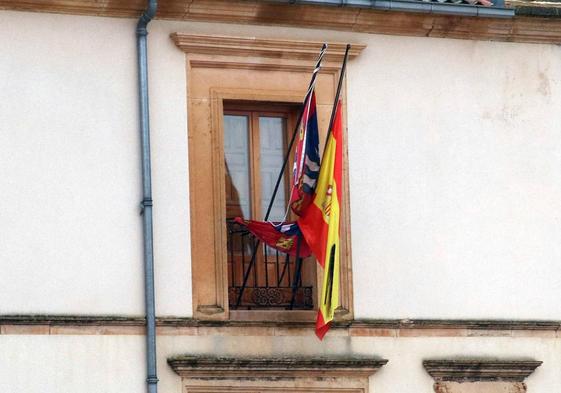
x=118 y=324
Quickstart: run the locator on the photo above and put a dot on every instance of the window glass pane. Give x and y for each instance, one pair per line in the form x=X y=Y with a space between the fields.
x=236 y=152
x=272 y=149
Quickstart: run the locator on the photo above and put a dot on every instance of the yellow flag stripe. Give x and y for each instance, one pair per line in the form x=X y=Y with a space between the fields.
x=330 y=287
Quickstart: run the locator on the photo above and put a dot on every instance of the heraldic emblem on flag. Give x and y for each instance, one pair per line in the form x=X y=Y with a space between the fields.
x=320 y=223
x=280 y=236
x=306 y=158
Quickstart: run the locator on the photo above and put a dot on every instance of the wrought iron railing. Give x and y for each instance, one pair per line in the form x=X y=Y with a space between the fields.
x=271 y=282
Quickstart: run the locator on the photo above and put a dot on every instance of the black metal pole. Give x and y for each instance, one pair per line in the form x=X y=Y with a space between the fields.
x=297 y=273
x=279 y=178
x=338 y=94
x=293 y=138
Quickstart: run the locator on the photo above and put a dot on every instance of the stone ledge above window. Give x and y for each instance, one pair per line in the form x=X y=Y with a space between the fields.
x=261 y=47
x=480 y=370
x=482 y=376
x=201 y=366
x=285 y=374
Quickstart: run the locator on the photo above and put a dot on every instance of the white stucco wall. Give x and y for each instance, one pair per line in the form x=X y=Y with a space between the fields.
x=113 y=364
x=453 y=158
x=70 y=176
x=454 y=152
x=58 y=364
x=454 y=173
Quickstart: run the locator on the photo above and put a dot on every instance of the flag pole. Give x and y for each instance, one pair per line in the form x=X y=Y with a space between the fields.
x=338 y=94
x=297 y=273
x=279 y=178
x=297 y=126
x=328 y=286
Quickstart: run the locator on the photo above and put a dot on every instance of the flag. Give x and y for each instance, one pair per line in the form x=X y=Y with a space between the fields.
x=320 y=223
x=282 y=236
x=306 y=158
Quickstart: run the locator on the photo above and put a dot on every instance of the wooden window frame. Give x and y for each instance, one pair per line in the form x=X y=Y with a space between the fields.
x=277 y=75
x=246 y=101
x=254 y=111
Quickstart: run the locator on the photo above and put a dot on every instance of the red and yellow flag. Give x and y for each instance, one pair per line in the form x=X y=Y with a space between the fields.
x=320 y=223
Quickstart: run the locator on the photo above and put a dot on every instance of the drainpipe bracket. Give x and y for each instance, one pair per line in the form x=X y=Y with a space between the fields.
x=141 y=31
x=145 y=202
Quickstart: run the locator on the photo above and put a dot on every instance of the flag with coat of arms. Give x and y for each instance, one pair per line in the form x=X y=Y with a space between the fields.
x=320 y=223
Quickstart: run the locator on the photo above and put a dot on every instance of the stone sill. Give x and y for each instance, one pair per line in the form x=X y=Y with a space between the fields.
x=171 y=326
x=119 y=320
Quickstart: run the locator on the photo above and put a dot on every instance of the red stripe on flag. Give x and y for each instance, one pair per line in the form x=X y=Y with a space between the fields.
x=338 y=167
x=321 y=326
x=315 y=231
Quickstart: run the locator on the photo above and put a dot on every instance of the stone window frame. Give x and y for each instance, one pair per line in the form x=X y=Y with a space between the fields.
x=218 y=69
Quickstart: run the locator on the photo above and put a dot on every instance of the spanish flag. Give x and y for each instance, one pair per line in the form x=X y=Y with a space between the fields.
x=320 y=223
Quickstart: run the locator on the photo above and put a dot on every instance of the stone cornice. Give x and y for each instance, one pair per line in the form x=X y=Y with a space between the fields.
x=480 y=370
x=72 y=320
x=411 y=324
x=260 y=47
x=518 y=29
x=309 y=367
x=457 y=324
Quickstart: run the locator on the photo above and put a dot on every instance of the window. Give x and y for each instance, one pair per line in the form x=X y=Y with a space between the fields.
x=256 y=139
x=228 y=76
x=255 y=143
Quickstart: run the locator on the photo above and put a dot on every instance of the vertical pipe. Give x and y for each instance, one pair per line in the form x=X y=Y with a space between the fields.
x=296 y=128
x=141 y=35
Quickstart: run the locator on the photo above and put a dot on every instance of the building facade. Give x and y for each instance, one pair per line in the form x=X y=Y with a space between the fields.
x=451 y=230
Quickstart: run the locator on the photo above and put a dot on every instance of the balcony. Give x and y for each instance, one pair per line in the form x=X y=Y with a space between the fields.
x=274 y=281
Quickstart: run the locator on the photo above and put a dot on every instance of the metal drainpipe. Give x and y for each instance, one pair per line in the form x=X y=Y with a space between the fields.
x=141 y=36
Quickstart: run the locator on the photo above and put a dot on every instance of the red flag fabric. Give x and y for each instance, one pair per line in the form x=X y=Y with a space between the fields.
x=306 y=158
x=281 y=236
